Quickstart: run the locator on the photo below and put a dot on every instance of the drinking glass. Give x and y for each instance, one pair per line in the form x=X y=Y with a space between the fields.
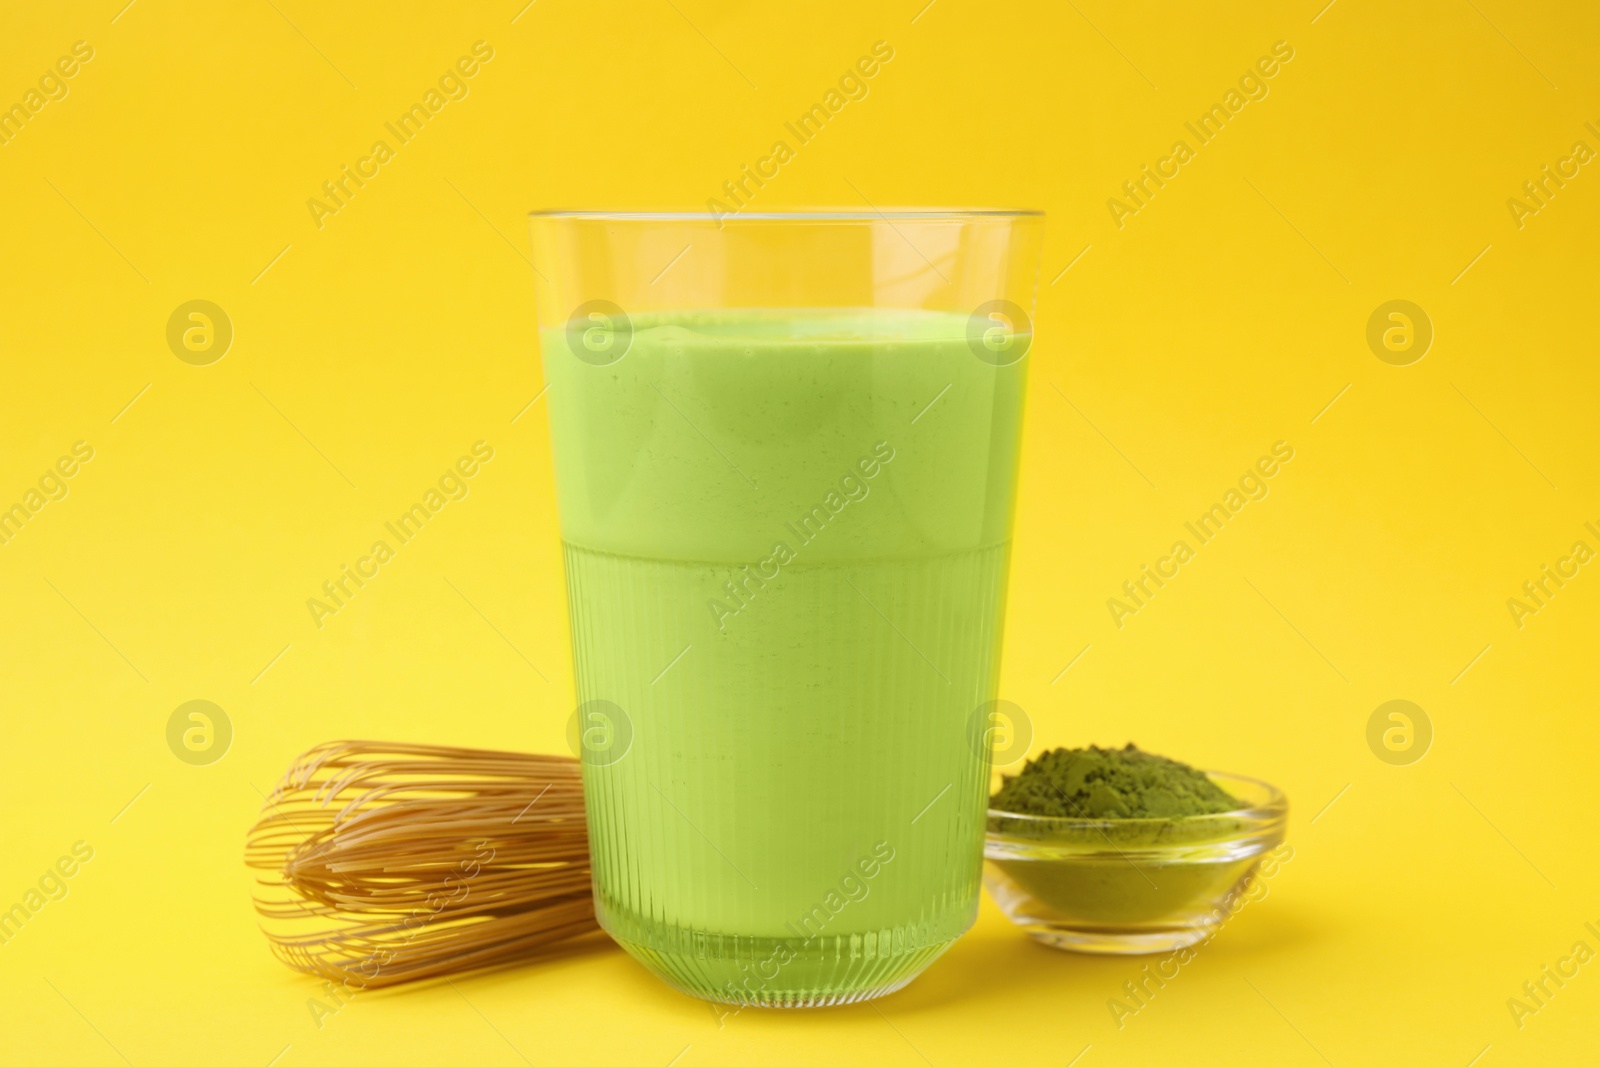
x=785 y=450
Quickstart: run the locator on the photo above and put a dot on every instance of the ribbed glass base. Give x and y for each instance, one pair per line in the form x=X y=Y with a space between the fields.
x=777 y=973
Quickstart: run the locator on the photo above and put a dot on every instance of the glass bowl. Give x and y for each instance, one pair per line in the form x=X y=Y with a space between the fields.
x=1126 y=886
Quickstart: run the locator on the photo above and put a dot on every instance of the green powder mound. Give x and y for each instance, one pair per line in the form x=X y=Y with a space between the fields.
x=1110 y=783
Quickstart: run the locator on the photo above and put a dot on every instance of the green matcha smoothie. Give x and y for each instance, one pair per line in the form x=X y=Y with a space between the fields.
x=786 y=539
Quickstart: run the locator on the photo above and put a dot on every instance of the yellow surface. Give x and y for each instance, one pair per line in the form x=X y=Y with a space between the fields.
x=1222 y=317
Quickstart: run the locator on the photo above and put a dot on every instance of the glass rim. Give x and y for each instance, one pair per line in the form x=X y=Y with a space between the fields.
x=806 y=215
x=1274 y=805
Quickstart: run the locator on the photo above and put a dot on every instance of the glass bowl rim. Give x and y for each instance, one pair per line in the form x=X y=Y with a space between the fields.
x=1275 y=806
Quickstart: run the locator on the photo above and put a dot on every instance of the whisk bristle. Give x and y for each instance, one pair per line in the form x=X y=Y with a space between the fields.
x=386 y=863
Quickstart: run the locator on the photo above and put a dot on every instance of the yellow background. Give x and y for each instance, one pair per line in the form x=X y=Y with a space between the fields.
x=1223 y=317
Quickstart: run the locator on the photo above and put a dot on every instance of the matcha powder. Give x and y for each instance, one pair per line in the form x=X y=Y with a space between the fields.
x=1110 y=783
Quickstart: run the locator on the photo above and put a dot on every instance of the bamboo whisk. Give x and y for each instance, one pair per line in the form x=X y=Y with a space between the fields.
x=385 y=863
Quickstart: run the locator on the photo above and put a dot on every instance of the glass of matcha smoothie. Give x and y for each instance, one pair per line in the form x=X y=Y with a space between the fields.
x=786 y=458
